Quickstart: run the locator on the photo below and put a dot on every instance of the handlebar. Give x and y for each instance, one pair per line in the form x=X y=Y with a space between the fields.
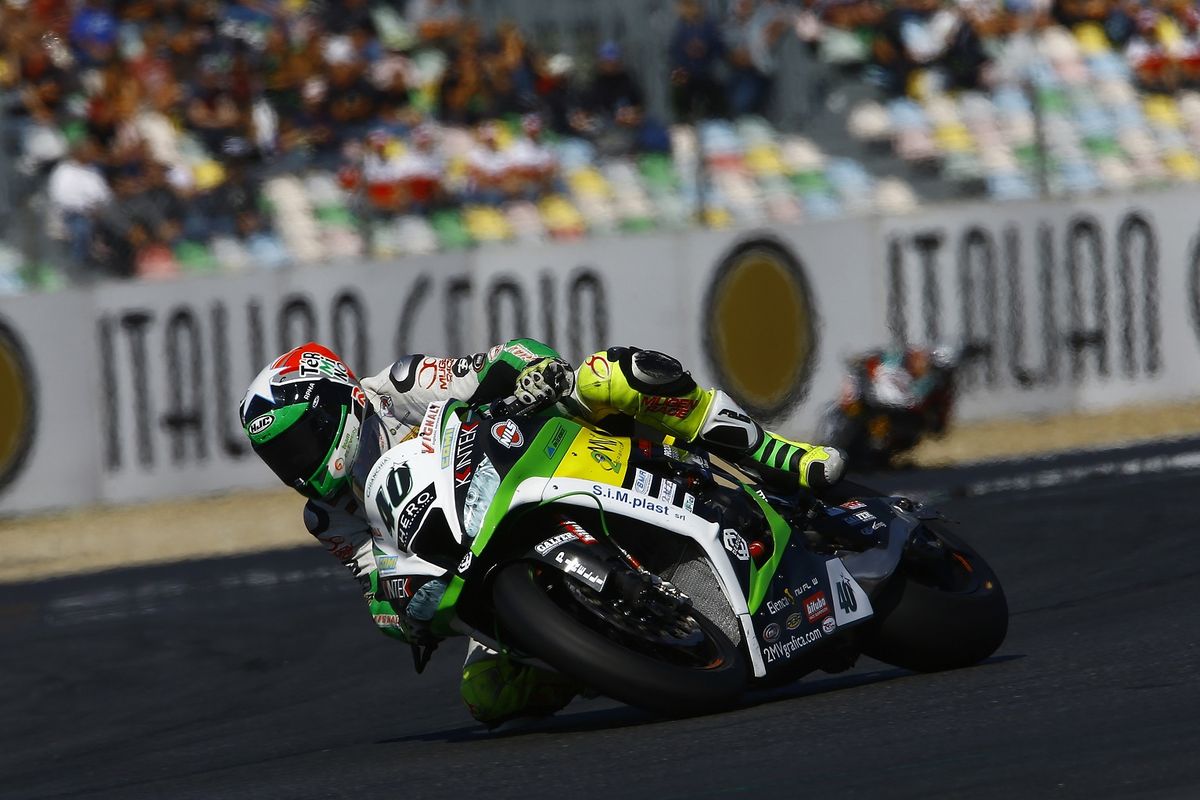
x=512 y=407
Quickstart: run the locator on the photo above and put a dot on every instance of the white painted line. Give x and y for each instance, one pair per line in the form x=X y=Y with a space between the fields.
x=1069 y=476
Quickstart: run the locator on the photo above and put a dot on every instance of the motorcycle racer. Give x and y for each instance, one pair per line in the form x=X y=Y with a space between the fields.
x=305 y=415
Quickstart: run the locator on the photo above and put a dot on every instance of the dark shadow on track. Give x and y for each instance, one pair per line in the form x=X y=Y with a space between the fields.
x=581 y=722
x=608 y=719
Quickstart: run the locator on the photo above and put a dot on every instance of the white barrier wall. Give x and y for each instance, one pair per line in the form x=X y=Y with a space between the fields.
x=129 y=391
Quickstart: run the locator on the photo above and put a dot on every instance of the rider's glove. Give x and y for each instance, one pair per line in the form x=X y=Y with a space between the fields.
x=544 y=382
x=821 y=467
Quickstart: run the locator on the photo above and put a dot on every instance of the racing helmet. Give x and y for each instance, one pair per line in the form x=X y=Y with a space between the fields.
x=304 y=414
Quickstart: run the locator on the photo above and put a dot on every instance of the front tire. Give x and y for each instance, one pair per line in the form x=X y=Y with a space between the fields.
x=936 y=615
x=533 y=614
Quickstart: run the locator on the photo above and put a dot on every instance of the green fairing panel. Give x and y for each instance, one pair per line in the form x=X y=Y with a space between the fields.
x=533 y=464
x=761 y=577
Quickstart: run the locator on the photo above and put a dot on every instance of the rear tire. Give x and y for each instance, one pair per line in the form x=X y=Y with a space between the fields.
x=542 y=628
x=926 y=627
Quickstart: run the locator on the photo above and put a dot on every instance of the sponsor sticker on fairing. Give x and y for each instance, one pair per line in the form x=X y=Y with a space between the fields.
x=666 y=491
x=606 y=492
x=689 y=502
x=771 y=633
x=575 y=529
x=447 y=445
x=829 y=625
x=782 y=604
x=429 y=427
x=412 y=516
x=736 y=545
x=780 y=651
x=462 y=454
x=641 y=481
x=508 y=434
x=794 y=621
x=815 y=606
x=553 y=542
x=853 y=505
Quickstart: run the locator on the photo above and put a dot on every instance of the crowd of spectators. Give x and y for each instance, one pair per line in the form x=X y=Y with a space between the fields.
x=955 y=43
x=155 y=123
x=163 y=130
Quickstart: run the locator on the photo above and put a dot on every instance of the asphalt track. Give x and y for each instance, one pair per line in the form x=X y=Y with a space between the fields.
x=263 y=677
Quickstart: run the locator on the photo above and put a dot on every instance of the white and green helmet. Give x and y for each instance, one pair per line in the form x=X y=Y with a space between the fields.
x=303 y=414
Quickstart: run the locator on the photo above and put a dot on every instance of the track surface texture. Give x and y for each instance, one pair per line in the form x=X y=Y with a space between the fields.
x=263 y=677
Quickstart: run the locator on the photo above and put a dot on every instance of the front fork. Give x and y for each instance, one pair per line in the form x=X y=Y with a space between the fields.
x=600 y=564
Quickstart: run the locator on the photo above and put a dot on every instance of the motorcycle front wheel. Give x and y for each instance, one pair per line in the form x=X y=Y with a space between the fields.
x=943 y=609
x=693 y=669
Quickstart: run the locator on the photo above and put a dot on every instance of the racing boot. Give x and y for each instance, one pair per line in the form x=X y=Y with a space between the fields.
x=497 y=689
x=654 y=389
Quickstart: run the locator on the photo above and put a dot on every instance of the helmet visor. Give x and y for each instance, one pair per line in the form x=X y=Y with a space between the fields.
x=298 y=452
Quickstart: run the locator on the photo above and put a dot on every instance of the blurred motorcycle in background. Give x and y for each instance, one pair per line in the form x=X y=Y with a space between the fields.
x=891 y=399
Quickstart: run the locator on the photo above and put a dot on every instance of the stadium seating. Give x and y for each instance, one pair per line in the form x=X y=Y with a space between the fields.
x=1061 y=110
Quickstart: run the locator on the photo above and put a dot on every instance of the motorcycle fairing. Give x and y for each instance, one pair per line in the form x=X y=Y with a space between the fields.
x=532 y=474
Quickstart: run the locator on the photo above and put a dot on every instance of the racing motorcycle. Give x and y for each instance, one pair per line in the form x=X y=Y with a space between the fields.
x=891 y=400
x=660 y=576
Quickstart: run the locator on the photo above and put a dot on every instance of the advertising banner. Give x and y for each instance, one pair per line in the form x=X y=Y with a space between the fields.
x=129 y=391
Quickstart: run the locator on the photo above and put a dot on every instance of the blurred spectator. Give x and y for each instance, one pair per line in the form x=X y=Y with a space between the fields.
x=613 y=85
x=553 y=89
x=434 y=20
x=351 y=101
x=1165 y=50
x=212 y=111
x=632 y=132
x=155 y=260
x=534 y=164
x=489 y=170
x=752 y=32
x=77 y=190
x=379 y=174
x=841 y=31
x=420 y=170
x=512 y=62
x=1112 y=16
x=694 y=54
x=922 y=37
x=348 y=17
x=94 y=33
x=464 y=94
x=398 y=179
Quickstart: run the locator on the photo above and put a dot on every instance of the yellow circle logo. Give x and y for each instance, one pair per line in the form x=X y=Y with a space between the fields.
x=761 y=327
x=18 y=409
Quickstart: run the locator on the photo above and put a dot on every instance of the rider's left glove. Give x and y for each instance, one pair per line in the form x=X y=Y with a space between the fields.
x=822 y=467
x=544 y=382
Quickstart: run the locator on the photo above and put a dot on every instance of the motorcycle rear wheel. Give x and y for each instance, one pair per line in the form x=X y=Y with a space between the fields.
x=936 y=616
x=540 y=620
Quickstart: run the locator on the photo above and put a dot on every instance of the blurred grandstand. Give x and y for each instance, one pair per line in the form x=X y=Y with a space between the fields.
x=154 y=137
